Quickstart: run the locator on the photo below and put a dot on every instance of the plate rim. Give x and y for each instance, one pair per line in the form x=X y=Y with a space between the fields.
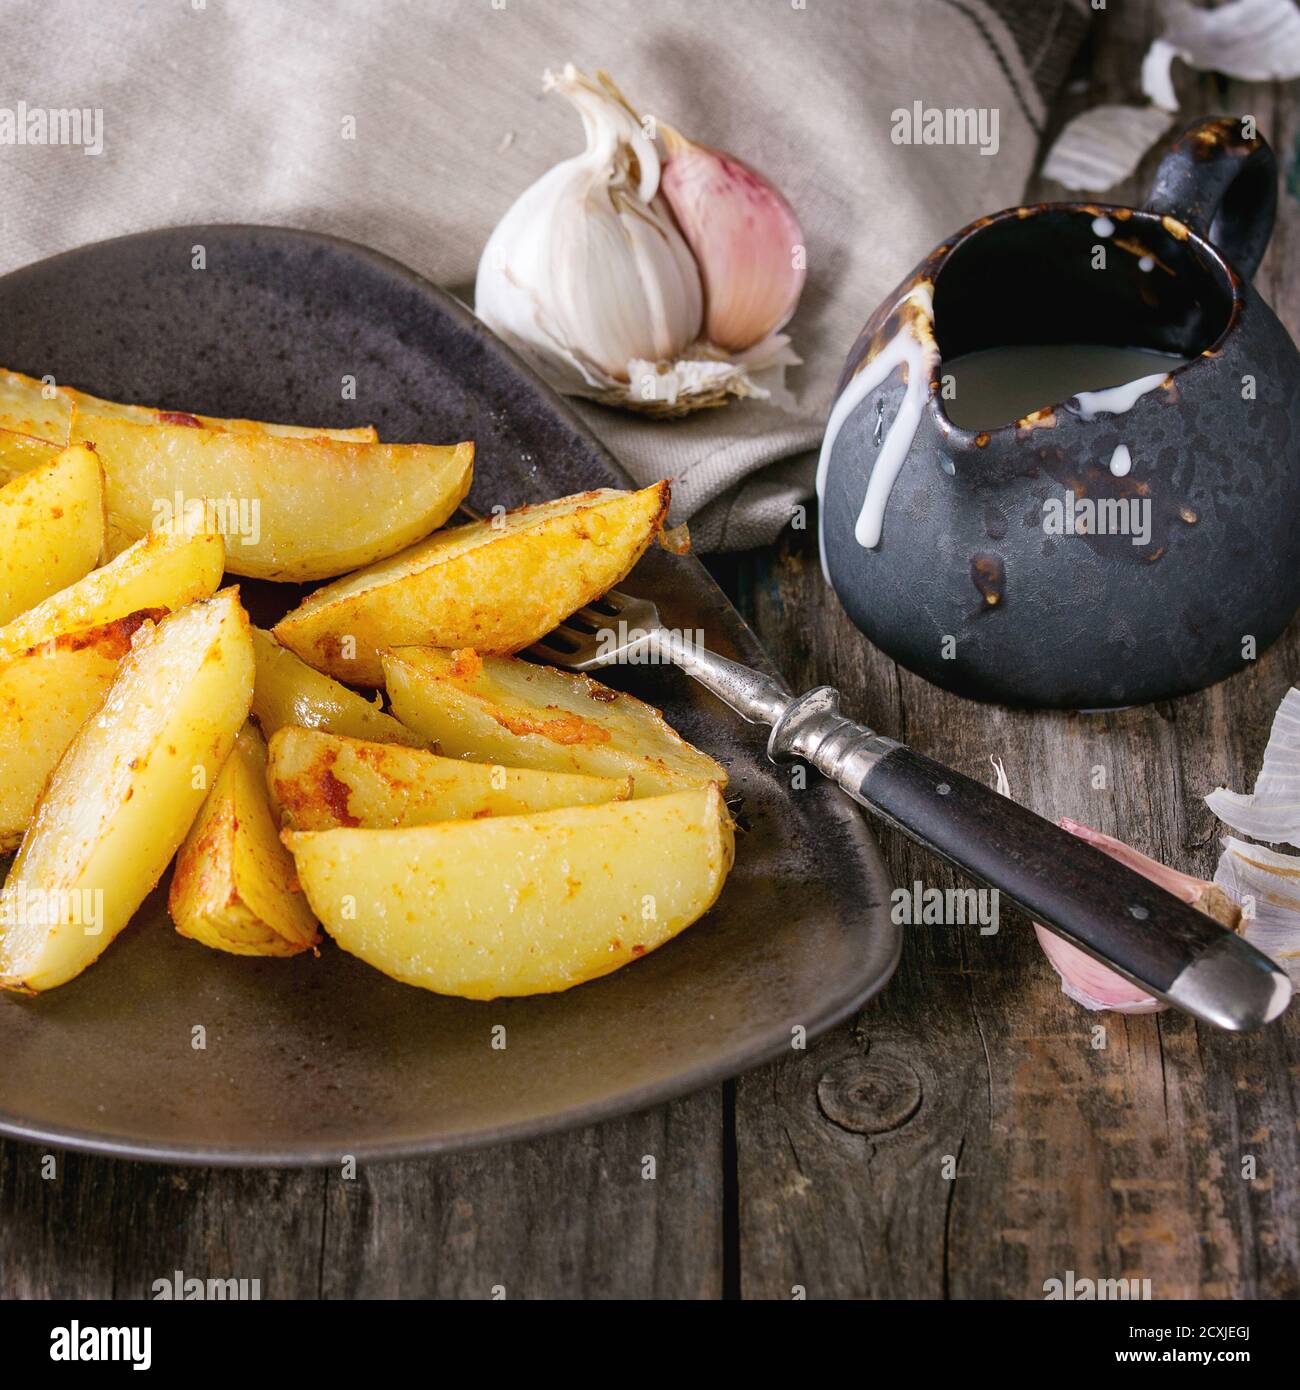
x=886 y=939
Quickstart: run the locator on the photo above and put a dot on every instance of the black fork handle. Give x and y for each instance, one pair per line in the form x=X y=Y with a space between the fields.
x=1144 y=932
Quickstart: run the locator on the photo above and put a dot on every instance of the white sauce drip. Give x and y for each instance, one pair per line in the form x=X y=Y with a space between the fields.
x=1115 y=400
x=903 y=348
x=1103 y=226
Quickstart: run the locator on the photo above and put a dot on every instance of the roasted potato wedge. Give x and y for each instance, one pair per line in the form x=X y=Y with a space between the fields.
x=497 y=709
x=233 y=887
x=495 y=585
x=34 y=408
x=321 y=781
x=291 y=509
x=46 y=695
x=519 y=904
x=45 y=410
x=161 y=571
x=288 y=691
x=51 y=529
x=20 y=453
x=125 y=793
x=153 y=415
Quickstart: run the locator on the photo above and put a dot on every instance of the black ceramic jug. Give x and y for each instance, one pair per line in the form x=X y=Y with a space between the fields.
x=941 y=542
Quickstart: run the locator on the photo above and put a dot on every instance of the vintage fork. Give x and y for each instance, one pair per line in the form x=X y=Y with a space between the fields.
x=1104 y=908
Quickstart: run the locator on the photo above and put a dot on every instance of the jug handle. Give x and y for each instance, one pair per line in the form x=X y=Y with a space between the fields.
x=1223 y=185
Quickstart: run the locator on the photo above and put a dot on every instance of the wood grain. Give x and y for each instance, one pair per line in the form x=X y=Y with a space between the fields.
x=569 y=1216
x=1125 y=1160
x=830 y=1173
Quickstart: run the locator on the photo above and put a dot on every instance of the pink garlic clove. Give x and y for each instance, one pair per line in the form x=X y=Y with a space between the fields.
x=744 y=236
x=1090 y=983
x=1094 y=985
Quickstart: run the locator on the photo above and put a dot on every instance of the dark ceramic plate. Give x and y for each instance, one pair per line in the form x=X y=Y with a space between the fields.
x=310 y=1059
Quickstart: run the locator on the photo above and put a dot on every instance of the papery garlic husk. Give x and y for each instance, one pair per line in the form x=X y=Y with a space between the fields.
x=1268 y=885
x=1104 y=145
x=1272 y=811
x=1265 y=881
x=1254 y=40
x=745 y=237
x=587 y=272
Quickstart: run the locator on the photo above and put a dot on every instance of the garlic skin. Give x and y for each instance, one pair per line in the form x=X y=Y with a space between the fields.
x=1267 y=884
x=745 y=238
x=587 y=272
x=1270 y=813
x=1264 y=881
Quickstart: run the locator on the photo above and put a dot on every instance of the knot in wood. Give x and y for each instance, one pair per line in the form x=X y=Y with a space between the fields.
x=870 y=1095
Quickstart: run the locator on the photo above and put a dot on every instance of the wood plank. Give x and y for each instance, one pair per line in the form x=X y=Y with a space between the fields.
x=570 y=1216
x=567 y=1216
x=1124 y=1160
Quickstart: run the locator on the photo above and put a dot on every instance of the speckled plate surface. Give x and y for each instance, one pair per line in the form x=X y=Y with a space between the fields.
x=313 y=1058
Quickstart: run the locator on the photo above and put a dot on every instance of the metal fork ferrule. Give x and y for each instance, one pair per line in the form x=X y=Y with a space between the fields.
x=812 y=728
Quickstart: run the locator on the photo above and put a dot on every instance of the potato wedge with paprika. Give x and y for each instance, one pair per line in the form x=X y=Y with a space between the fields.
x=160 y=571
x=494 y=585
x=154 y=415
x=20 y=453
x=290 y=509
x=51 y=529
x=46 y=695
x=288 y=691
x=320 y=781
x=33 y=407
x=498 y=709
x=125 y=793
x=515 y=905
x=233 y=887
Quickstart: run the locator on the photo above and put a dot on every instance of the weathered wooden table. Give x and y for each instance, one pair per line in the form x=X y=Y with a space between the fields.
x=963 y=1138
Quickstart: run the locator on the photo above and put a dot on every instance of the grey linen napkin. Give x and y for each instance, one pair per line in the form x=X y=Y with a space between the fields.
x=412 y=126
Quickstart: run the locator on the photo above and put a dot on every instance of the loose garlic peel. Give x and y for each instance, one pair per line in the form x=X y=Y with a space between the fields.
x=1271 y=812
x=1265 y=881
x=589 y=277
x=1255 y=40
x=1268 y=885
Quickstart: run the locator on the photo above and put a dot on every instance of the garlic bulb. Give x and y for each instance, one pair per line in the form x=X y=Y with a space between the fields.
x=587 y=272
x=595 y=281
x=745 y=237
